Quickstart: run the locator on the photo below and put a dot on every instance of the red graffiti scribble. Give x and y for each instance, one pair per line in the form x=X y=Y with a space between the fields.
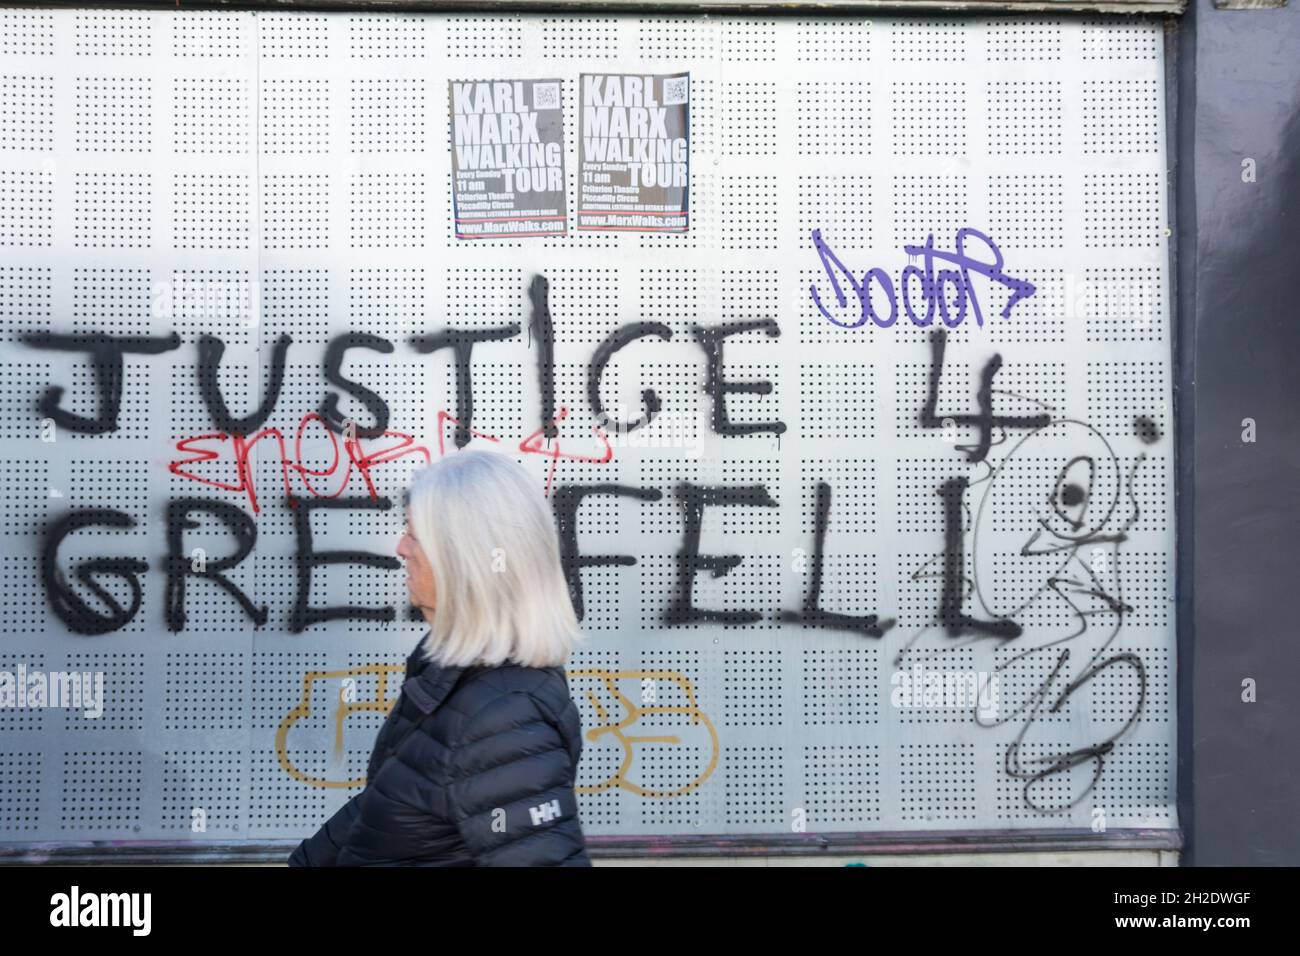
x=356 y=459
x=443 y=417
x=351 y=457
x=532 y=444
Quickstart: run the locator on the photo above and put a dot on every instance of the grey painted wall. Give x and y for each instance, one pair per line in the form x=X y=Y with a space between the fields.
x=1240 y=98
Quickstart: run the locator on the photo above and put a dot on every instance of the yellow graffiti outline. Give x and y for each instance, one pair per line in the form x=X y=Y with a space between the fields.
x=634 y=712
x=381 y=705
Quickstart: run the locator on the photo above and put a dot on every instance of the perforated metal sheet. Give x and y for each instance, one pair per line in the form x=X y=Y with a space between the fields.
x=250 y=175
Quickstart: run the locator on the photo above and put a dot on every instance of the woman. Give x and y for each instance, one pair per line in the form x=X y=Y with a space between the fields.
x=475 y=764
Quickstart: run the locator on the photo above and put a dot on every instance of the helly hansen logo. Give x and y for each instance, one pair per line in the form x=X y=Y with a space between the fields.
x=544 y=813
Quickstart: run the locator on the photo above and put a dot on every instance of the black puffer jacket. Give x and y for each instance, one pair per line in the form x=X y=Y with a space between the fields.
x=473 y=767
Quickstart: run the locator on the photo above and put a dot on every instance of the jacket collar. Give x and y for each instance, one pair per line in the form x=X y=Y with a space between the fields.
x=415 y=663
x=428 y=684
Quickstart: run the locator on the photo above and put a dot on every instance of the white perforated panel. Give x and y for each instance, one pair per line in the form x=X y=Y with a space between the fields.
x=264 y=185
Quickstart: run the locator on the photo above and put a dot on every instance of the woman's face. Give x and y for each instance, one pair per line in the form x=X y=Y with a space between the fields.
x=419 y=574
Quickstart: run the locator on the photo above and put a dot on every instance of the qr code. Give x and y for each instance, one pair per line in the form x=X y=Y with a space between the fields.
x=546 y=96
x=675 y=90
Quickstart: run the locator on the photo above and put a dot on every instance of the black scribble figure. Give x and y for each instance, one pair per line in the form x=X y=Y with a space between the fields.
x=1146 y=429
x=1048 y=524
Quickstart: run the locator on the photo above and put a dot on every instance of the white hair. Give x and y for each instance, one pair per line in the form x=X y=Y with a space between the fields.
x=489 y=536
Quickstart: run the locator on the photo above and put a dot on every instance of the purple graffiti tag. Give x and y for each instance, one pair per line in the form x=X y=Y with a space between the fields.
x=1020 y=288
x=861 y=290
x=950 y=292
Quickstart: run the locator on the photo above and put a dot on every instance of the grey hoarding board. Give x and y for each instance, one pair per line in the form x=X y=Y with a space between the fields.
x=260 y=206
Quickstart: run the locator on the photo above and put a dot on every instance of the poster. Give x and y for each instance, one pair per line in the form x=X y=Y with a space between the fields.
x=634 y=159
x=507 y=142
